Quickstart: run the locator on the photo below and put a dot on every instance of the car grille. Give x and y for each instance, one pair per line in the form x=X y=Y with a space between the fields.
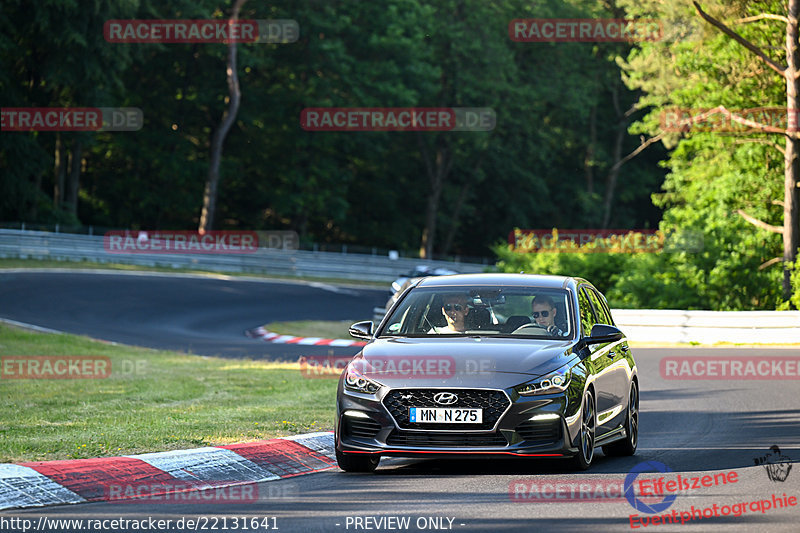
x=493 y=402
x=423 y=439
x=542 y=431
x=361 y=427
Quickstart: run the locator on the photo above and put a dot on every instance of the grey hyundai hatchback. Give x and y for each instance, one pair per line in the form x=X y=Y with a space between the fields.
x=502 y=364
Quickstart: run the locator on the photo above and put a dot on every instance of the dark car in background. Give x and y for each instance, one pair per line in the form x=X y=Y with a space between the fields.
x=459 y=366
x=405 y=281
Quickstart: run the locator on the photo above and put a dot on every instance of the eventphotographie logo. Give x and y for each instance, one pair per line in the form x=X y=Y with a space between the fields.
x=641 y=502
x=775 y=463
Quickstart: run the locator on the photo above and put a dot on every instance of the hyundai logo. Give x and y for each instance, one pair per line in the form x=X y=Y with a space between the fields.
x=445 y=398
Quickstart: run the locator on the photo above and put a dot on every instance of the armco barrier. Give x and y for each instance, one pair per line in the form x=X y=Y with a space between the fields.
x=73 y=247
x=704 y=327
x=646 y=325
x=708 y=327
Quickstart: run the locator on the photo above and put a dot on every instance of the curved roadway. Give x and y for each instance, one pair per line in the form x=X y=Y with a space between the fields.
x=198 y=314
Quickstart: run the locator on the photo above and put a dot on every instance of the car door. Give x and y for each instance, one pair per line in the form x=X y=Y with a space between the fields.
x=598 y=363
x=615 y=364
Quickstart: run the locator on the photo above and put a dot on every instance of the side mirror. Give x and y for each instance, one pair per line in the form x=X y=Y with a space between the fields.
x=362 y=330
x=603 y=333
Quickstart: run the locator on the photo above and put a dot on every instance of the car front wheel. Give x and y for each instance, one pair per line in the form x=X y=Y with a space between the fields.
x=627 y=446
x=583 y=460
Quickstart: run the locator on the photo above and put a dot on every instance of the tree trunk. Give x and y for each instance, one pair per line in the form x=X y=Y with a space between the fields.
x=456 y=215
x=613 y=173
x=76 y=153
x=790 y=195
x=437 y=171
x=588 y=160
x=228 y=118
x=60 y=170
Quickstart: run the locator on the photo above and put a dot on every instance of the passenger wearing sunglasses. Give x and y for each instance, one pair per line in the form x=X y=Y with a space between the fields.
x=455 y=310
x=544 y=314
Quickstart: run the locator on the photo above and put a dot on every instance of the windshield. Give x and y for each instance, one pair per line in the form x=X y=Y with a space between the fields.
x=490 y=311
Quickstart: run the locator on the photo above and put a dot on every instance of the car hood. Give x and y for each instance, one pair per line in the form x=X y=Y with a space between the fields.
x=463 y=361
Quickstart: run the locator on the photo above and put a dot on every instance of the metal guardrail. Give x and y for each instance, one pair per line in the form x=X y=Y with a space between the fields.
x=75 y=247
x=703 y=327
x=648 y=325
x=709 y=327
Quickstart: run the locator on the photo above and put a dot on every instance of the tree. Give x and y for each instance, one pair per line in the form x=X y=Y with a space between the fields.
x=790 y=71
x=228 y=118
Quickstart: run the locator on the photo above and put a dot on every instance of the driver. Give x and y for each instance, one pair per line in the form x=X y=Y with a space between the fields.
x=544 y=314
x=455 y=311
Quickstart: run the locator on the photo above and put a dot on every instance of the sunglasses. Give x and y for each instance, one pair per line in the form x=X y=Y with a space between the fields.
x=543 y=313
x=450 y=307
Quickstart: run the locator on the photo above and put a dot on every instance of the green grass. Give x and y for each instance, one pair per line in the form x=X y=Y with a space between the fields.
x=332 y=329
x=176 y=401
x=49 y=263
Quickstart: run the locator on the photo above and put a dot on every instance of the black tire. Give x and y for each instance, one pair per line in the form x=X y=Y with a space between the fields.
x=627 y=446
x=357 y=462
x=586 y=438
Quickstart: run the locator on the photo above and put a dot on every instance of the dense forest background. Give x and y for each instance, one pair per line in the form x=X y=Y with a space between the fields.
x=578 y=141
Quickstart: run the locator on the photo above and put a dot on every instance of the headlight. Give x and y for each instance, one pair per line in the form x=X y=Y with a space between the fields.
x=557 y=381
x=356 y=381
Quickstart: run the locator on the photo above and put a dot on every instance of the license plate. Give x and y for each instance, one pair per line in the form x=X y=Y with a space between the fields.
x=445 y=415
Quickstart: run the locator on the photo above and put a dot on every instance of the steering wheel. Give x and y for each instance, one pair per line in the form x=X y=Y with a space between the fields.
x=535 y=329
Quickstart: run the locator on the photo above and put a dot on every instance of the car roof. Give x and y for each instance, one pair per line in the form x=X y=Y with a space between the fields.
x=519 y=280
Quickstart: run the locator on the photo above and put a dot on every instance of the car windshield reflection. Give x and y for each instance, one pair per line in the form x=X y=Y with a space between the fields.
x=525 y=312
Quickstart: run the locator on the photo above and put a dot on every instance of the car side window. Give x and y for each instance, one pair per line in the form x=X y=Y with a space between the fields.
x=588 y=318
x=599 y=306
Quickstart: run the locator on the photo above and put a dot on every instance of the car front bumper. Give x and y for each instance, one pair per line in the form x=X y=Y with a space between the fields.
x=530 y=426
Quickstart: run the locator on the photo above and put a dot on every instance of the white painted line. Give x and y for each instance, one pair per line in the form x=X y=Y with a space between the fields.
x=30 y=326
x=309 y=340
x=341 y=342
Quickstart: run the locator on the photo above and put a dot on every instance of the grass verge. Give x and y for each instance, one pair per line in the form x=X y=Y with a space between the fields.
x=169 y=401
x=327 y=329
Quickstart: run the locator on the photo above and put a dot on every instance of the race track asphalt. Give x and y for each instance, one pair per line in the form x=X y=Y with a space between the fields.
x=196 y=314
x=694 y=427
